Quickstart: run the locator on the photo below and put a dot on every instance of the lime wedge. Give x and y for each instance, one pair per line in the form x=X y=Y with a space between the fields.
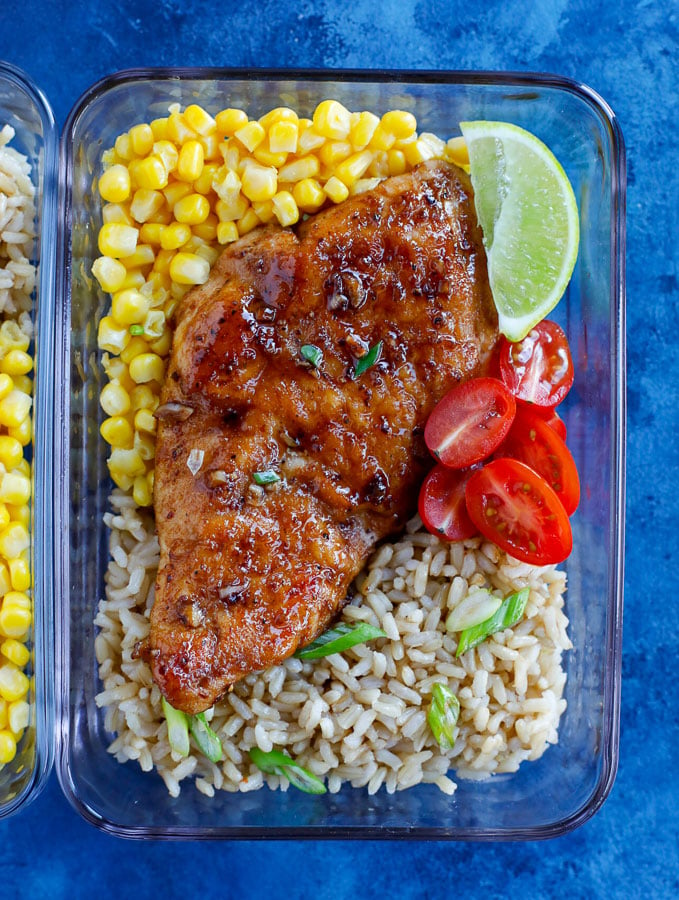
x=527 y=211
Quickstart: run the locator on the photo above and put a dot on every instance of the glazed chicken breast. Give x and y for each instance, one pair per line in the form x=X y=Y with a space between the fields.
x=269 y=381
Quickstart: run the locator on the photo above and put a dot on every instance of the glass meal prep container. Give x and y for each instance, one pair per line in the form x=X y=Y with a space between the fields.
x=25 y=109
x=572 y=779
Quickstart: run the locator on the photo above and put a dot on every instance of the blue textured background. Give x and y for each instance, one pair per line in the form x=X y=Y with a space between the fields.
x=628 y=52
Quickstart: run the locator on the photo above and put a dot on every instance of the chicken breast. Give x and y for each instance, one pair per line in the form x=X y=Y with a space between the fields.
x=263 y=384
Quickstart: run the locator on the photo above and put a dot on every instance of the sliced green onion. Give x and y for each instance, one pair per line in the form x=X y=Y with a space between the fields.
x=340 y=638
x=268 y=477
x=136 y=329
x=208 y=742
x=277 y=763
x=507 y=616
x=177 y=728
x=312 y=354
x=370 y=358
x=442 y=715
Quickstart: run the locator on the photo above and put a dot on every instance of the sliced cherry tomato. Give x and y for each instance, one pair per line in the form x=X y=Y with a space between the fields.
x=515 y=508
x=533 y=442
x=470 y=422
x=538 y=369
x=552 y=418
x=442 y=504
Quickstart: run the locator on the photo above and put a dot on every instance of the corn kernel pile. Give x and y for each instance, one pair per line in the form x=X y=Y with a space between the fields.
x=17 y=278
x=181 y=187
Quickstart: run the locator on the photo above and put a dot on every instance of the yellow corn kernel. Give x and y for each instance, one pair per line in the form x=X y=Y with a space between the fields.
x=250 y=135
x=203 y=184
x=438 y=147
x=12 y=336
x=114 y=184
x=192 y=209
x=285 y=208
x=175 y=236
x=5 y=575
x=207 y=230
x=147 y=367
x=116 y=214
x=191 y=159
x=283 y=136
x=189 y=268
x=382 y=139
x=123 y=147
x=198 y=119
x=6 y=385
x=117 y=432
x=13 y=539
x=299 y=169
x=354 y=167
x=18 y=716
x=110 y=273
x=117 y=240
x=333 y=152
x=144 y=255
x=379 y=165
x=20 y=514
x=141 y=139
x=259 y=182
x=24 y=467
x=159 y=128
x=145 y=445
x=114 y=399
x=309 y=140
x=335 y=189
x=136 y=346
x=11 y=452
x=227 y=232
x=13 y=683
x=332 y=120
x=22 y=432
x=154 y=324
x=178 y=129
x=231 y=210
x=227 y=185
x=268 y=158
x=247 y=222
x=142 y=397
x=15 y=652
x=146 y=204
x=129 y=307
x=229 y=121
x=144 y=420
x=151 y=232
x=396 y=162
x=278 y=114
x=167 y=153
x=150 y=173
x=210 y=145
x=457 y=152
x=23 y=383
x=14 y=408
x=111 y=336
x=308 y=194
x=5 y=519
x=363 y=129
x=20 y=574
x=141 y=494
x=264 y=211
x=399 y=122
x=162 y=345
x=16 y=362
x=134 y=280
x=125 y=462
x=418 y=151
x=162 y=264
x=8 y=747
x=15 y=488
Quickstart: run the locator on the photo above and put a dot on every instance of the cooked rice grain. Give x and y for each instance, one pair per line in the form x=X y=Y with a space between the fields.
x=359 y=717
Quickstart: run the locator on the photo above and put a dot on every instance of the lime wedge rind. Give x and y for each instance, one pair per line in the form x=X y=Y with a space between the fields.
x=529 y=216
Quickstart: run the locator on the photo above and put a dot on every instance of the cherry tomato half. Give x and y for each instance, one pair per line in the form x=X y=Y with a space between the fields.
x=533 y=442
x=442 y=505
x=469 y=423
x=515 y=508
x=552 y=418
x=538 y=369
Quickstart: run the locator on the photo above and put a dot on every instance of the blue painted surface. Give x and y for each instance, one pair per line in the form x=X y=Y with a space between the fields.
x=627 y=51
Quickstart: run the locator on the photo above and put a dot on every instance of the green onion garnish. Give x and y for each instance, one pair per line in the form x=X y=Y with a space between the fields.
x=340 y=638
x=370 y=358
x=268 y=477
x=208 y=742
x=312 y=354
x=507 y=616
x=277 y=763
x=177 y=728
x=442 y=715
x=136 y=329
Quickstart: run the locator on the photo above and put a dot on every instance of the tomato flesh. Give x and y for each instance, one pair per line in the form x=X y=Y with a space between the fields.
x=470 y=422
x=533 y=442
x=538 y=369
x=515 y=508
x=553 y=419
x=442 y=506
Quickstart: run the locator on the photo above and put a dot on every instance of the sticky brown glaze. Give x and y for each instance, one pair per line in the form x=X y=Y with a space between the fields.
x=249 y=574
